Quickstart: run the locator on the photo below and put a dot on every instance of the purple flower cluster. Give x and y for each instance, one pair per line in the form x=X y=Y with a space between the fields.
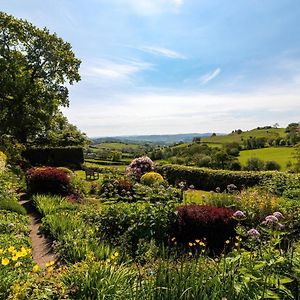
x=239 y=215
x=273 y=220
x=253 y=233
x=140 y=166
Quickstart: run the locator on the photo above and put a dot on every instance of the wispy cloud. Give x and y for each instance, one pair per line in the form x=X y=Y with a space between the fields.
x=112 y=70
x=161 y=51
x=209 y=76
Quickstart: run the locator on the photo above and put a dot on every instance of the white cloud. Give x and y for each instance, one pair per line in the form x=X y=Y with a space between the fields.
x=111 y=70
x=151 y=7
x=174 y=112
x=160 y=51
x=209 y=76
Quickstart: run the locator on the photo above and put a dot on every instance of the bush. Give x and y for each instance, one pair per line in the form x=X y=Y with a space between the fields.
x=139 y=166
x=272 y=165
x=254 y=164
x=57 y=156
x=208 y=179
x=125 y=224
x=152 y=178
x=214 y=224
x=48 y=181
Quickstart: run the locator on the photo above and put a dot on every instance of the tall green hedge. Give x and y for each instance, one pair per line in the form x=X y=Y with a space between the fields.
x=208 y=179
x=57 y=156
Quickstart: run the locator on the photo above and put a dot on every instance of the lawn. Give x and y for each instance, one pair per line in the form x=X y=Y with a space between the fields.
x=281 y=155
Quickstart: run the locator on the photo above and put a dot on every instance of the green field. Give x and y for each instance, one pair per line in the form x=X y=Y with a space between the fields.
x=234 y=137
x=118 y=146
x=281 y=155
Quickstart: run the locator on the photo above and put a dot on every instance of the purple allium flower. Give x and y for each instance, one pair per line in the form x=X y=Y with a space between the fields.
x=278 y=215
x=253 y=233
x=280 y=226
x=269 y=220
x=239 y=215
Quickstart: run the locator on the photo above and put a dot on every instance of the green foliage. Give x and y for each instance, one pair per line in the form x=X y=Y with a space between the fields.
x=58 y=156
x=254 y=164
x=207 y=179
x=15 y=259
x=271 y=165
x=8 y=195
x=35 y=66
x=2 y=161
x=124 y=224
x=152 y=178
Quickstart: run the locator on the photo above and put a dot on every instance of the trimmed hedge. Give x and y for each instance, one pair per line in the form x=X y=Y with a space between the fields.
x=208 y=179
x=57 y=156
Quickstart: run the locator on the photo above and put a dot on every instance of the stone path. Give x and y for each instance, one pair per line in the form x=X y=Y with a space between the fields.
x=42 y=251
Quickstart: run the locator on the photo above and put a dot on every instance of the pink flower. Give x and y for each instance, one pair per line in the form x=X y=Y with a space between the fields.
x=269 y=220
x=278 y=215
x=253 y=233
x=239 y=215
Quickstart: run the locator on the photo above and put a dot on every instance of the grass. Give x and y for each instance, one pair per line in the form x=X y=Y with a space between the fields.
x=118 y=146
x=234 y=137
x=282 y=155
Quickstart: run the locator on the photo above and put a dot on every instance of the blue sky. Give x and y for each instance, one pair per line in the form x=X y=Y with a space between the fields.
x=176 y=66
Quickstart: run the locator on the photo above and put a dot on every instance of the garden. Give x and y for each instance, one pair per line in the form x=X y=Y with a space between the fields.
x=136 y=236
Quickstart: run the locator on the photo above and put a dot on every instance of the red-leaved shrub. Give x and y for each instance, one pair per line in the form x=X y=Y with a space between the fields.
x=48 y=180
x=213 y=224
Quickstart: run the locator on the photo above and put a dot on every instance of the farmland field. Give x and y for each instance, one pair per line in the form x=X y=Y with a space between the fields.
x=281 y=155
x=235 y=137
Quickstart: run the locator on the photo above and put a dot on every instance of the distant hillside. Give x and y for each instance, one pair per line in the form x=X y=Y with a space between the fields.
x=271 y=133
x=155 y=139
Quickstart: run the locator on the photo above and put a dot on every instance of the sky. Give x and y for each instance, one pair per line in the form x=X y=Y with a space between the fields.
x=176 y=66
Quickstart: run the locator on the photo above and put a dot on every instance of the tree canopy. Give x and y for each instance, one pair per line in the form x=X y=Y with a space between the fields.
x=35 y=67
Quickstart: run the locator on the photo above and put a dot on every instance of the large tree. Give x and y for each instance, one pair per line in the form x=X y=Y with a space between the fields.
x=35 y=67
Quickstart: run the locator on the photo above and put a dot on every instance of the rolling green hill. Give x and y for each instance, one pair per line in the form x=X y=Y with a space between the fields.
x=235 y=137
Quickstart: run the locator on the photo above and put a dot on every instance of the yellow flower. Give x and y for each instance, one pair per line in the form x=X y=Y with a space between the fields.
x=15 y=257
x=18 y=264
x=173 y=239
x=116 y=254
x=35 y=269
x=197 y=241
x=236 y=244
x=5 y=261
x=11 y=249
x=50 y=269
x=227 y=242
x=108 y=260
x=49 y=264
x=190 y=253
x=190 y=244
x=202 y=244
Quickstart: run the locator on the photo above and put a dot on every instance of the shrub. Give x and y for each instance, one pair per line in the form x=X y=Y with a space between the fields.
x=272 y=165
x=208 y=179
x=66 y=170
x=254 y=164
x=125 y=224
x=48 y=181
x=140 y=166
x=152 y=178
x=214 y=224
x=56 y=156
